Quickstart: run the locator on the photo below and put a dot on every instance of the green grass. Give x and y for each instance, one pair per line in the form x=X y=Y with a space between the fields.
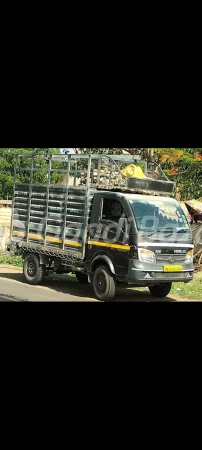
x=13 y=260
x=63 y=276
x=192 y=290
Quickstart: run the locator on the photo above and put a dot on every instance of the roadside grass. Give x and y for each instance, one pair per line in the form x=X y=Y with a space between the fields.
x=192 y=290
x=63 y=276
x=12 y=260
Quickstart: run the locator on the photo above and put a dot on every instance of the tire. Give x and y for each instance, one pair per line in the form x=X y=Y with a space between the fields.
x=160 y=291
x=33 y=272
x=82 y=278
x=104 y=284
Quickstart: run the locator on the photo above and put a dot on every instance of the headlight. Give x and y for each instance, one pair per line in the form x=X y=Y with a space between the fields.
x=190 y=257
x=146 y=256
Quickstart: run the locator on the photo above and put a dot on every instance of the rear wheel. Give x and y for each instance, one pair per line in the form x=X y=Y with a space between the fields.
x=82 y=277
x=34 y=273
x=160 y=291
x=104 y=284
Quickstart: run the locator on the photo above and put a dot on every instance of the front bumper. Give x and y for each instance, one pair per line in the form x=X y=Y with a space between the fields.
x=145 y=274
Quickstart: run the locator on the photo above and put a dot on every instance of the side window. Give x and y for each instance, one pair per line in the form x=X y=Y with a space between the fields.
x=115 y=222
x=112 y=210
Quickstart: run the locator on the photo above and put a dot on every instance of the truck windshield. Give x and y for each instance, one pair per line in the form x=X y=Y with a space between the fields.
x=156 y=215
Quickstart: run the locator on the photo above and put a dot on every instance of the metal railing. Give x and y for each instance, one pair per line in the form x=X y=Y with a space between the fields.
x=101 y=171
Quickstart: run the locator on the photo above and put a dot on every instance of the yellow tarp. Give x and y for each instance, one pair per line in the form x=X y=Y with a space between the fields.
x=133 y=171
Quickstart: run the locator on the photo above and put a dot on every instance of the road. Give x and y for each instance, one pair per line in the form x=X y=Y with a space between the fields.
x=13 y=288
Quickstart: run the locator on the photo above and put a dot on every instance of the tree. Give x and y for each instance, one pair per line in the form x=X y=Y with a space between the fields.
x=184 y=167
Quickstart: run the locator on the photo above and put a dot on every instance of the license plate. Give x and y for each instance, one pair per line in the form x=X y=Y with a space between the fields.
x=173 y=268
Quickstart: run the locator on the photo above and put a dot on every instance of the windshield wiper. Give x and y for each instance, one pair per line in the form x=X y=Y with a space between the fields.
x=158 y=231
x=153 y=232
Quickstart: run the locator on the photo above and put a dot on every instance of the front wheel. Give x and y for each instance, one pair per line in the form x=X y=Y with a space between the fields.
x=34 y=273
x=160 y=291
x=104 y=284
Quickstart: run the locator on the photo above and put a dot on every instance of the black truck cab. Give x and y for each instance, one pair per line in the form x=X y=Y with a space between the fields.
x=144 y=240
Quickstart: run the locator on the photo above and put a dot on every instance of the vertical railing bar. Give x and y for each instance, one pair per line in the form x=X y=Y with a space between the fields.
x=75 y=172
x=87 y=207
x=30 y=197
x=66 y=200
x=14 y=187
x=99 y=170
x=47 y=197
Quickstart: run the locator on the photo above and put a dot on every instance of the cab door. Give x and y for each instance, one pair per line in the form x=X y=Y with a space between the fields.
x=111 y=237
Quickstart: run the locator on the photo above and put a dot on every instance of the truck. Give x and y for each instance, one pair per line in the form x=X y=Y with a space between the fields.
x=108 y=227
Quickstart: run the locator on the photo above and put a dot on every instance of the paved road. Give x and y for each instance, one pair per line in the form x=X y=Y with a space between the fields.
x=13 y=288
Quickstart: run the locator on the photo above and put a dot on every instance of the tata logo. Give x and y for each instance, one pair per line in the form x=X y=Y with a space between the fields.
x=171 y=259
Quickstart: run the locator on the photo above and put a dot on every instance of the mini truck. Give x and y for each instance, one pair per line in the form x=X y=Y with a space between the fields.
x=107 y=228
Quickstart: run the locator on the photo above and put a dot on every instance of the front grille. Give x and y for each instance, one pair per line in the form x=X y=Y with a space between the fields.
x=170 y=258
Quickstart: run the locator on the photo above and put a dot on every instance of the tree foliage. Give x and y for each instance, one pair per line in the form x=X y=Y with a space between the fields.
x=184 y=166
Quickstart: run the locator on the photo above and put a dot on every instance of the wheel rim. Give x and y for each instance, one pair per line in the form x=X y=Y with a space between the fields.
x=31 y=269
x=101 y=283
